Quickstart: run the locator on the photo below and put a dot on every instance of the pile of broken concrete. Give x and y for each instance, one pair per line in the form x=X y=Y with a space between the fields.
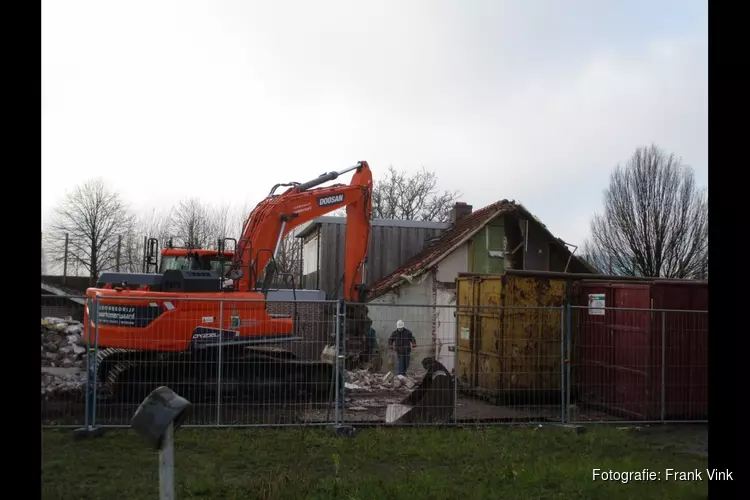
x=363 y=380
x=63 y=357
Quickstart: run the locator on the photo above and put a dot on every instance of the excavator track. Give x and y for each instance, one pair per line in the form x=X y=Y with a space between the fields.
x=251 y=373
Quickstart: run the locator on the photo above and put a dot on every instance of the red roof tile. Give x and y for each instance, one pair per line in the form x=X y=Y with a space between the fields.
x=464 y=229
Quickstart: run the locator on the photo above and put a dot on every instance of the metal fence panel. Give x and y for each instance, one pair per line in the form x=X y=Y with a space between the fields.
x=504 y=366
x=229 y=382
x=643 y=365
x=387 y=382
x=510 y=358
x=684 y=365
x=470 y=364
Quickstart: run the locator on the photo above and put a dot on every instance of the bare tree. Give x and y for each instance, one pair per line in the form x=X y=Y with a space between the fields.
x=411 y=197
x=95 y=218
x=151 y=224
x=222 y=222
x=197 y=225
x=602 y=262
x=210 y=223
x=289 y=257
x=190 y=224
x=235 y=221
x=655 y=220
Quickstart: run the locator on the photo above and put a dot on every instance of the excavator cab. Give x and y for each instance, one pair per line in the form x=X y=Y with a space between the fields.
x=192 y=259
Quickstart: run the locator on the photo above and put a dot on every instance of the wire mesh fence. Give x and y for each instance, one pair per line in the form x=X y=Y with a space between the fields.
x=405 y=368
x=638 y=364
x=237 y=362
x=511 y=357
x=278 y=363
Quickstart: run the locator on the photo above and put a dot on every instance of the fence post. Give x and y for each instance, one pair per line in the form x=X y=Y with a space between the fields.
x=340 y=357
x=219 y=366
x=89 y=428
x=93 y=357
x=568 y=351
x=663 y=367
x=563 y=416
x=89 y=364
x=456 y=338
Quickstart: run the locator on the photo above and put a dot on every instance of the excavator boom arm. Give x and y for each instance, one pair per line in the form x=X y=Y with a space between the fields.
x=277 y=215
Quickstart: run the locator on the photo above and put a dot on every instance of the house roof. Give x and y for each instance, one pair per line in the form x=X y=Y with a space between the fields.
x=333 y=219
x=73 y=285
x=451 y=239
x=63 y=292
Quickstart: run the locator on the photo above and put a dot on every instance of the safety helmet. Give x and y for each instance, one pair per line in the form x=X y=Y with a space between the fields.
x=399 y=324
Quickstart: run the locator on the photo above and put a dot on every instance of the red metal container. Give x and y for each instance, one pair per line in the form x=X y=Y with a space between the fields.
x=618 y=360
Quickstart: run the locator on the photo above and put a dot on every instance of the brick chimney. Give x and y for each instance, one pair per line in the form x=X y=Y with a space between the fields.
x=459 y=211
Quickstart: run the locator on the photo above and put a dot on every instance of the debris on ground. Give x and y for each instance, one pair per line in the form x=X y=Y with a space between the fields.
x=63 y=355
x=63 y=384
x=367 y=381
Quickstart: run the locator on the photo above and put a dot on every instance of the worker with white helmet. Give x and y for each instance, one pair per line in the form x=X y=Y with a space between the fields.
x=402 y=341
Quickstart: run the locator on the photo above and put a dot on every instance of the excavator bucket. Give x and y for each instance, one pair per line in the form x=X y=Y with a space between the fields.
x=357 y=354
x=351 y=361
x=373 y=363
x=329 y=354
x=432 y=401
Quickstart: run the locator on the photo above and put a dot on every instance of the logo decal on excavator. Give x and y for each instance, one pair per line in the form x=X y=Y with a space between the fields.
x=206 y=335
x=136 y=316
x=203 y=333
x=330 y=200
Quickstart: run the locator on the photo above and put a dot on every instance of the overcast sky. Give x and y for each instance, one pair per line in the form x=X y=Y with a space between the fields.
x=528 y=100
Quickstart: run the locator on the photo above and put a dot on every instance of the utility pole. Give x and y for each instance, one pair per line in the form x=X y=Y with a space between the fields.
x=117 y=255
x=65 y=261
x=145 y=253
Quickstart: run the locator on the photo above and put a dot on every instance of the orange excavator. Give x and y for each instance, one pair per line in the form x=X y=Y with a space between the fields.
x=188 y=327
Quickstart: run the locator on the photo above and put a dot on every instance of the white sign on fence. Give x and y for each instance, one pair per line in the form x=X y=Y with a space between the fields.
x=464 y=333
x=596 y=304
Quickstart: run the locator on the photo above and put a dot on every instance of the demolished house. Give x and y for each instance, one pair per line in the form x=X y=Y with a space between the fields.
x=500 y=236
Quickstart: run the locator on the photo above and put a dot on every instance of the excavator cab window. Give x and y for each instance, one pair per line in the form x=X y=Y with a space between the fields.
x=220 y=264
x=174 y=262
x=205 y=263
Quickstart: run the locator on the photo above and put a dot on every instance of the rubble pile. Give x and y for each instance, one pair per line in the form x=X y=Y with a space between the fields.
x=63 y=356
x=364 y=380
x=63 y=384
